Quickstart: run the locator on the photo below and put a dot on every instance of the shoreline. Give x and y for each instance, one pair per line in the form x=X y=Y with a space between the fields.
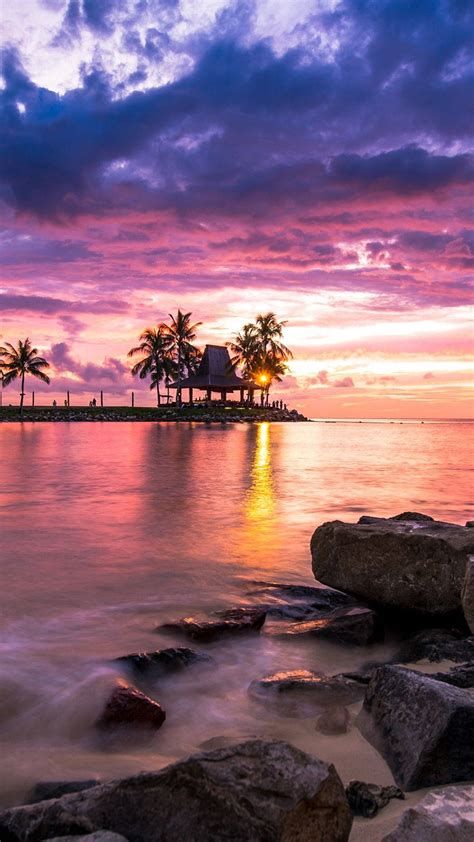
x=203 y=414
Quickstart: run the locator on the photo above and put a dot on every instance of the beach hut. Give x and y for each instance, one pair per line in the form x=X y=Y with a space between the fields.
x=215 y=374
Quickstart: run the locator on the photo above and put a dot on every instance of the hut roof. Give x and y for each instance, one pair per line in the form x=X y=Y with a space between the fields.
x=214 y=371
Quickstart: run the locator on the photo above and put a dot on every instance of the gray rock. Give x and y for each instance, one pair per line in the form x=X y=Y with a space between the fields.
x=408 y=564
x=304 y=692
x=350 y=626
x=233 y=621
x=467 y=594
x=435 y=645
x=462 y=676
x=333 y=721
x=45 y=790
x=367 y=799
x=150 y=666
x=128 y=708
x=446 y=815
x=98 y=836
x=258 y=790
x=420 y=726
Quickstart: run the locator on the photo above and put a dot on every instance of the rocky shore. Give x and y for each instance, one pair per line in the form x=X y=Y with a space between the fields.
x=198 y=412
x=407 y=579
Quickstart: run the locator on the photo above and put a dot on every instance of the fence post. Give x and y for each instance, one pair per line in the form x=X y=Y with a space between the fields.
x=32 y=399
x=133 y=398
x=101 y=398
x=68 y=400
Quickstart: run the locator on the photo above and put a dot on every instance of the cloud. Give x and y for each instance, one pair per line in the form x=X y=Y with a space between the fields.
x=111 y=372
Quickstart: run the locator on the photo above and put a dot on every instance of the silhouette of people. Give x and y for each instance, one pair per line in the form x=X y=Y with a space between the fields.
x=94 y=402
x=54 y=403
x=65 y=403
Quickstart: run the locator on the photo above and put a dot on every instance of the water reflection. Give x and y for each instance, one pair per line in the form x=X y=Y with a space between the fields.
x=260 y=502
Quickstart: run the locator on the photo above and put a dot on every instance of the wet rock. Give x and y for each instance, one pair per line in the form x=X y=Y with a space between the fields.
x=419 y=725
x=367 y=799
x=233 y=621
x=45 y=820
x=333 y=721
x=436 y=645
x=98 y=836
x=414 y=565
x=462 y=676
x=412 y=516
x=257 y=790
x=467 y=594
x=446 y=815
x=127 y=707
x=353 y=626
x=45 y=790
x=302 y=692
x=153 y=665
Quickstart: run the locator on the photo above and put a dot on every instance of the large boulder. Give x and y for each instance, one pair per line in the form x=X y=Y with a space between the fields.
x=420 y=726
x=446 y=815
x=45 y=790
x=258 y=790
x=467 y=595
x=416 y=565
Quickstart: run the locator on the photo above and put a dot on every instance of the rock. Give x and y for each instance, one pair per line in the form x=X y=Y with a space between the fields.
x=257 y=790
x=435 y=645
x=470 y=524
x=333 y=721
x=446 y=815
x=420 y=727
x=415 y=565
x=367 y=799
x=153 y=665
x=128 y=707
x=97 y=836
x=356 y=626
x=302 y=692
x=412 y=516
x=232 y=621
x=467 y=594
x=462 y=676
x=45 y=790
x=45 y=820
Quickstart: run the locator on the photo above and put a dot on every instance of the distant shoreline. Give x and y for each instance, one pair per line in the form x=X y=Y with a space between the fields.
x=199 y=413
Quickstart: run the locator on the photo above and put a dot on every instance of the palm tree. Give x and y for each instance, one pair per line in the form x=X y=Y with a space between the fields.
x=245 y=347
x=272 y=357
x=155 y=345
x=182 y=333
x=20 y=361
x=269 y=332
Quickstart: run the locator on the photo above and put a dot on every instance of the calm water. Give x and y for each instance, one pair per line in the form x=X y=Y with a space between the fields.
x=109 y=529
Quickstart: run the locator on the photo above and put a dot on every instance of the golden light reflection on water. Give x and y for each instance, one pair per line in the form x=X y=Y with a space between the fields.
x=260 y=504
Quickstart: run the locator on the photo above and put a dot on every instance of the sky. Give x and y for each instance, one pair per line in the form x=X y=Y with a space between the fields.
x=312 y=157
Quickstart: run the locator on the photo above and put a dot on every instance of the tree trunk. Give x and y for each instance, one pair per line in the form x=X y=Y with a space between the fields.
x=22 y=393
x=178 y=390
x=158 y=399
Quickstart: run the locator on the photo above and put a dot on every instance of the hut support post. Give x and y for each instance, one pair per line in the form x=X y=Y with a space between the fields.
x=190 y=397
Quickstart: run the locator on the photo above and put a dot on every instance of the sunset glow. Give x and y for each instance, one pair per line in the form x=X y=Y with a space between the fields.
x=231 y=158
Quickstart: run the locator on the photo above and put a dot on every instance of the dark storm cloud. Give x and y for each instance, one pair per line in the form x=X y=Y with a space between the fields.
x=293 y=126
x=49 y=305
